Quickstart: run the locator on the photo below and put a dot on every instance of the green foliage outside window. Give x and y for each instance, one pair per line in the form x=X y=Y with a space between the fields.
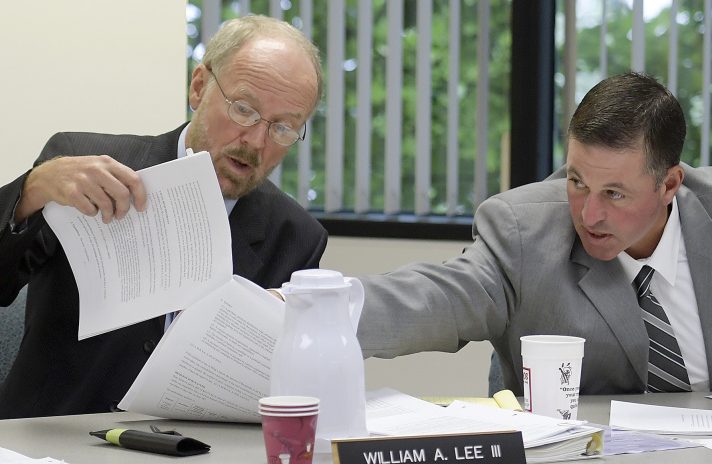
x=500 y=40
x=690 y=19
x=619 y=24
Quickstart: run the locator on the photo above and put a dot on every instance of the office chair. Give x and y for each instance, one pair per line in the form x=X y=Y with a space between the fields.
x=12 y=326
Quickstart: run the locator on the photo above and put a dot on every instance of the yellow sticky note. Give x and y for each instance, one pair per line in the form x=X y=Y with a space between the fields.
x=506 y=400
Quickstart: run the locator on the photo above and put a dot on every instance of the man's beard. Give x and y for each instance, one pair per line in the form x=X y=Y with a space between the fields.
x=240 y=186
x=237 y=186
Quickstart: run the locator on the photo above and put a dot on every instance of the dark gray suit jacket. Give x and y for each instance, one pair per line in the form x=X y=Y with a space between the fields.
x=527 y=273
x=55 y=374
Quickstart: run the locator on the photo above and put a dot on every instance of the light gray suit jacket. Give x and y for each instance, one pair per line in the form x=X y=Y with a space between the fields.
x=527 y=273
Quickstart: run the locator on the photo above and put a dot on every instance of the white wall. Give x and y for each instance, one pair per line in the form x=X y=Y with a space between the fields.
x=88 y=65
x=424 y=374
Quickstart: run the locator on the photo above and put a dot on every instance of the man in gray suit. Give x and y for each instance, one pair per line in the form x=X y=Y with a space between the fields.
x=560 y=256
x=259 y=82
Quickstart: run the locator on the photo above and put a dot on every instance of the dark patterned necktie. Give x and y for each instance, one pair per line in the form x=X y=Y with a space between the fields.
x=666 y=368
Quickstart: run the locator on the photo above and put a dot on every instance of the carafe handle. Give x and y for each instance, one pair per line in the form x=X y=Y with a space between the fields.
x=356 y=299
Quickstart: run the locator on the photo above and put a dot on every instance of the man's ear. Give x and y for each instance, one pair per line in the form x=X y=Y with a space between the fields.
x=198 y=85
x=672 y=182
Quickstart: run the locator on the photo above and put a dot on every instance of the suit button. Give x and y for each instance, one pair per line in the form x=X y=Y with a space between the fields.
x=149 y=346
x=114 y=407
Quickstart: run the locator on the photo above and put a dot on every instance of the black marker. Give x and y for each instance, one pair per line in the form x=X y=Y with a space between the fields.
x=162 y=443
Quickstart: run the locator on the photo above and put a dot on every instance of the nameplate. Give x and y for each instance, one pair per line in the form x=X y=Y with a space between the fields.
x=470 y=448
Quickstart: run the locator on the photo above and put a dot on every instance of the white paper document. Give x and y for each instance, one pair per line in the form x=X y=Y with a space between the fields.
x=154 y=262
x=660 y=419
x=706 y=442
x=11 y=457
x=632 y=441
x=213 y=364
x=389 y=412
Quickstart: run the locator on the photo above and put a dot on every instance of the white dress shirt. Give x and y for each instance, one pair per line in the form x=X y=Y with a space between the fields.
x=672 y=286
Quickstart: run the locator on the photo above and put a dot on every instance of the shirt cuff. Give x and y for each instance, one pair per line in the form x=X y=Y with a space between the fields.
x=14 y=227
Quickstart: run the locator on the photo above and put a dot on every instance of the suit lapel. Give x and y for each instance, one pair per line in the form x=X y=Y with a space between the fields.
x=163 y=149
x=696 y=231
x=248 y=225
x=143 y=152
x=606 y=286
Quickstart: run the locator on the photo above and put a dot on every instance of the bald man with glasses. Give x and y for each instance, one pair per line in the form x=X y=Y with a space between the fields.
x=270 y=82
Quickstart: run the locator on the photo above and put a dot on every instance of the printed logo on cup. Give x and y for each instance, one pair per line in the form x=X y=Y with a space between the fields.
x=565 y=373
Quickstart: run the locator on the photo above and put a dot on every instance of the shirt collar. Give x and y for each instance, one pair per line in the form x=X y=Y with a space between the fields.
x=181 y=142
x=665 y=256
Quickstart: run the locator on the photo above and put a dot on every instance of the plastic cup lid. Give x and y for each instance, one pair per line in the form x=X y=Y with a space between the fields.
x=316 y=279
x=289 y=410
x=312 y=412
x=286 y=402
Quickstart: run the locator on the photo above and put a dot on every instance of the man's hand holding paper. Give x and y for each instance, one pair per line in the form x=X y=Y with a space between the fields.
x=90 y=184
x=153 y=262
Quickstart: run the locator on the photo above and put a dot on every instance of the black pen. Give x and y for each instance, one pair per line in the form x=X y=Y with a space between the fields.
x=162 y=443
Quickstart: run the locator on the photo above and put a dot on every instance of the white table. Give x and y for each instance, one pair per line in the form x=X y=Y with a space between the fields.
x=67 y=437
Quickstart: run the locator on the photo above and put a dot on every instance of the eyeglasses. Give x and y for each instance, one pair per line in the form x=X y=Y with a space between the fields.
x=243 y=114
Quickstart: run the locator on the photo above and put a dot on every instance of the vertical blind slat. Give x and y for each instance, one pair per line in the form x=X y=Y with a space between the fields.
x=210 y=20
x=275 y=10
x=335 y=107
x=672 y=48
x=363 y=111
x=569 y=91
x=394 y=82
x=603 y=44
x=423 y=82
x=304 y=154
x=453 y=108
x=245 y=7
x=482 y=103
x=706 y=84
x=638 y=43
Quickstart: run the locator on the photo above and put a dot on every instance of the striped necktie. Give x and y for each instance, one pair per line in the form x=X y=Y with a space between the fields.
x=666 y=368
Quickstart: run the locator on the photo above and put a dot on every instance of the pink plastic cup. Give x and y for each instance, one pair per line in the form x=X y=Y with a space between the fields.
x=289 y=433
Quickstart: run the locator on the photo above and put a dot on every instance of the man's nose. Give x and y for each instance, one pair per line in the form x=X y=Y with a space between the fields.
x=593 y=210
x=255 y=136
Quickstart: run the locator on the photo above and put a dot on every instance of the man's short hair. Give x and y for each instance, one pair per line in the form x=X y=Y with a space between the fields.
x=235 y=33
x=627 y=110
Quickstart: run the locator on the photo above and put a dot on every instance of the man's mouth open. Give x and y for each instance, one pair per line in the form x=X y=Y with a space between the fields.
x=596 y=236
x=239 y=166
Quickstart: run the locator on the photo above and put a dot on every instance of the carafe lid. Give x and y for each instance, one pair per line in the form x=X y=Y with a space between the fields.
x=314 y=279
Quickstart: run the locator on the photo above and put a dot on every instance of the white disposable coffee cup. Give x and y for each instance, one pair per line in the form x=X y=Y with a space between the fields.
x=552 y=374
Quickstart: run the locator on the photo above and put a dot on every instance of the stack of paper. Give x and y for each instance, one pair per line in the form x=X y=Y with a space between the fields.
x=694 y=425
x=389 y=412
x=660 y=419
